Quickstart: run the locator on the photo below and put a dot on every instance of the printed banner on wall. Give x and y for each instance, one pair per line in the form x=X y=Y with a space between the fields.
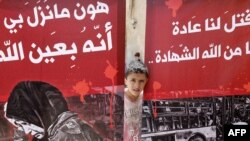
x=71 y=49
x=198 y=55
x=196 y=48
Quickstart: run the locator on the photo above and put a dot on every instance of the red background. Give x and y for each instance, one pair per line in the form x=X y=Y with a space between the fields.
x=64 y=73
x=202 y=77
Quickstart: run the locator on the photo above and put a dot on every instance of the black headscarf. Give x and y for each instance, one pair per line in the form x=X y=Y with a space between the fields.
x=36 y=102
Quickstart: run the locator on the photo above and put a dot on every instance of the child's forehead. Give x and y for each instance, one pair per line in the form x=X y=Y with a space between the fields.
x=137 y=75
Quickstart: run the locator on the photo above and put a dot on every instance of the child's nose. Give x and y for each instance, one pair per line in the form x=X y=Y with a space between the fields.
x=137 y=85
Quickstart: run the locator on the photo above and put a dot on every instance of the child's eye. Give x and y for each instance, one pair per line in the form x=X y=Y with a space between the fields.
x=133 y=80
x=142 y=81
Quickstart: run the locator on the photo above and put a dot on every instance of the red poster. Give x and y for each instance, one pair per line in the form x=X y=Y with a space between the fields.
x=198 y=55
x=75 y=46
x=197 y=48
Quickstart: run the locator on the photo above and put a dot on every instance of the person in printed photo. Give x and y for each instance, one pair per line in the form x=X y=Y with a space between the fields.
x=39 y=109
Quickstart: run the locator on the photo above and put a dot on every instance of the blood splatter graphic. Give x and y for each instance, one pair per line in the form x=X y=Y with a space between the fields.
x=156 y=86
x=247 y=87
x=110 y=72
x=82 y=88
x=174 y=5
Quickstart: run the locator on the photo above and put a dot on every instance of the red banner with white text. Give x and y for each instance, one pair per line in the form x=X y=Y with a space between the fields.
x=76 y=46
x=197 y=48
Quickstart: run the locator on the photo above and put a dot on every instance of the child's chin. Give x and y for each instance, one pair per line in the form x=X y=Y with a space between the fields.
x=135 y=94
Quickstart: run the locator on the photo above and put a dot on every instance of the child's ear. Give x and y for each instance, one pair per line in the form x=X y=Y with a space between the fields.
x=125 y=81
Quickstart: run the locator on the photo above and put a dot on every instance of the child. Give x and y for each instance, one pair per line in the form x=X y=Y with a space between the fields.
x=136 y=77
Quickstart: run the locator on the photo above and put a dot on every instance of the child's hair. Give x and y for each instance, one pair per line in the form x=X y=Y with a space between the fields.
x=136 y=66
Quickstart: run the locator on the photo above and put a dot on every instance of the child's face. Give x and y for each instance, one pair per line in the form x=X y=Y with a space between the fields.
x=135 y=83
